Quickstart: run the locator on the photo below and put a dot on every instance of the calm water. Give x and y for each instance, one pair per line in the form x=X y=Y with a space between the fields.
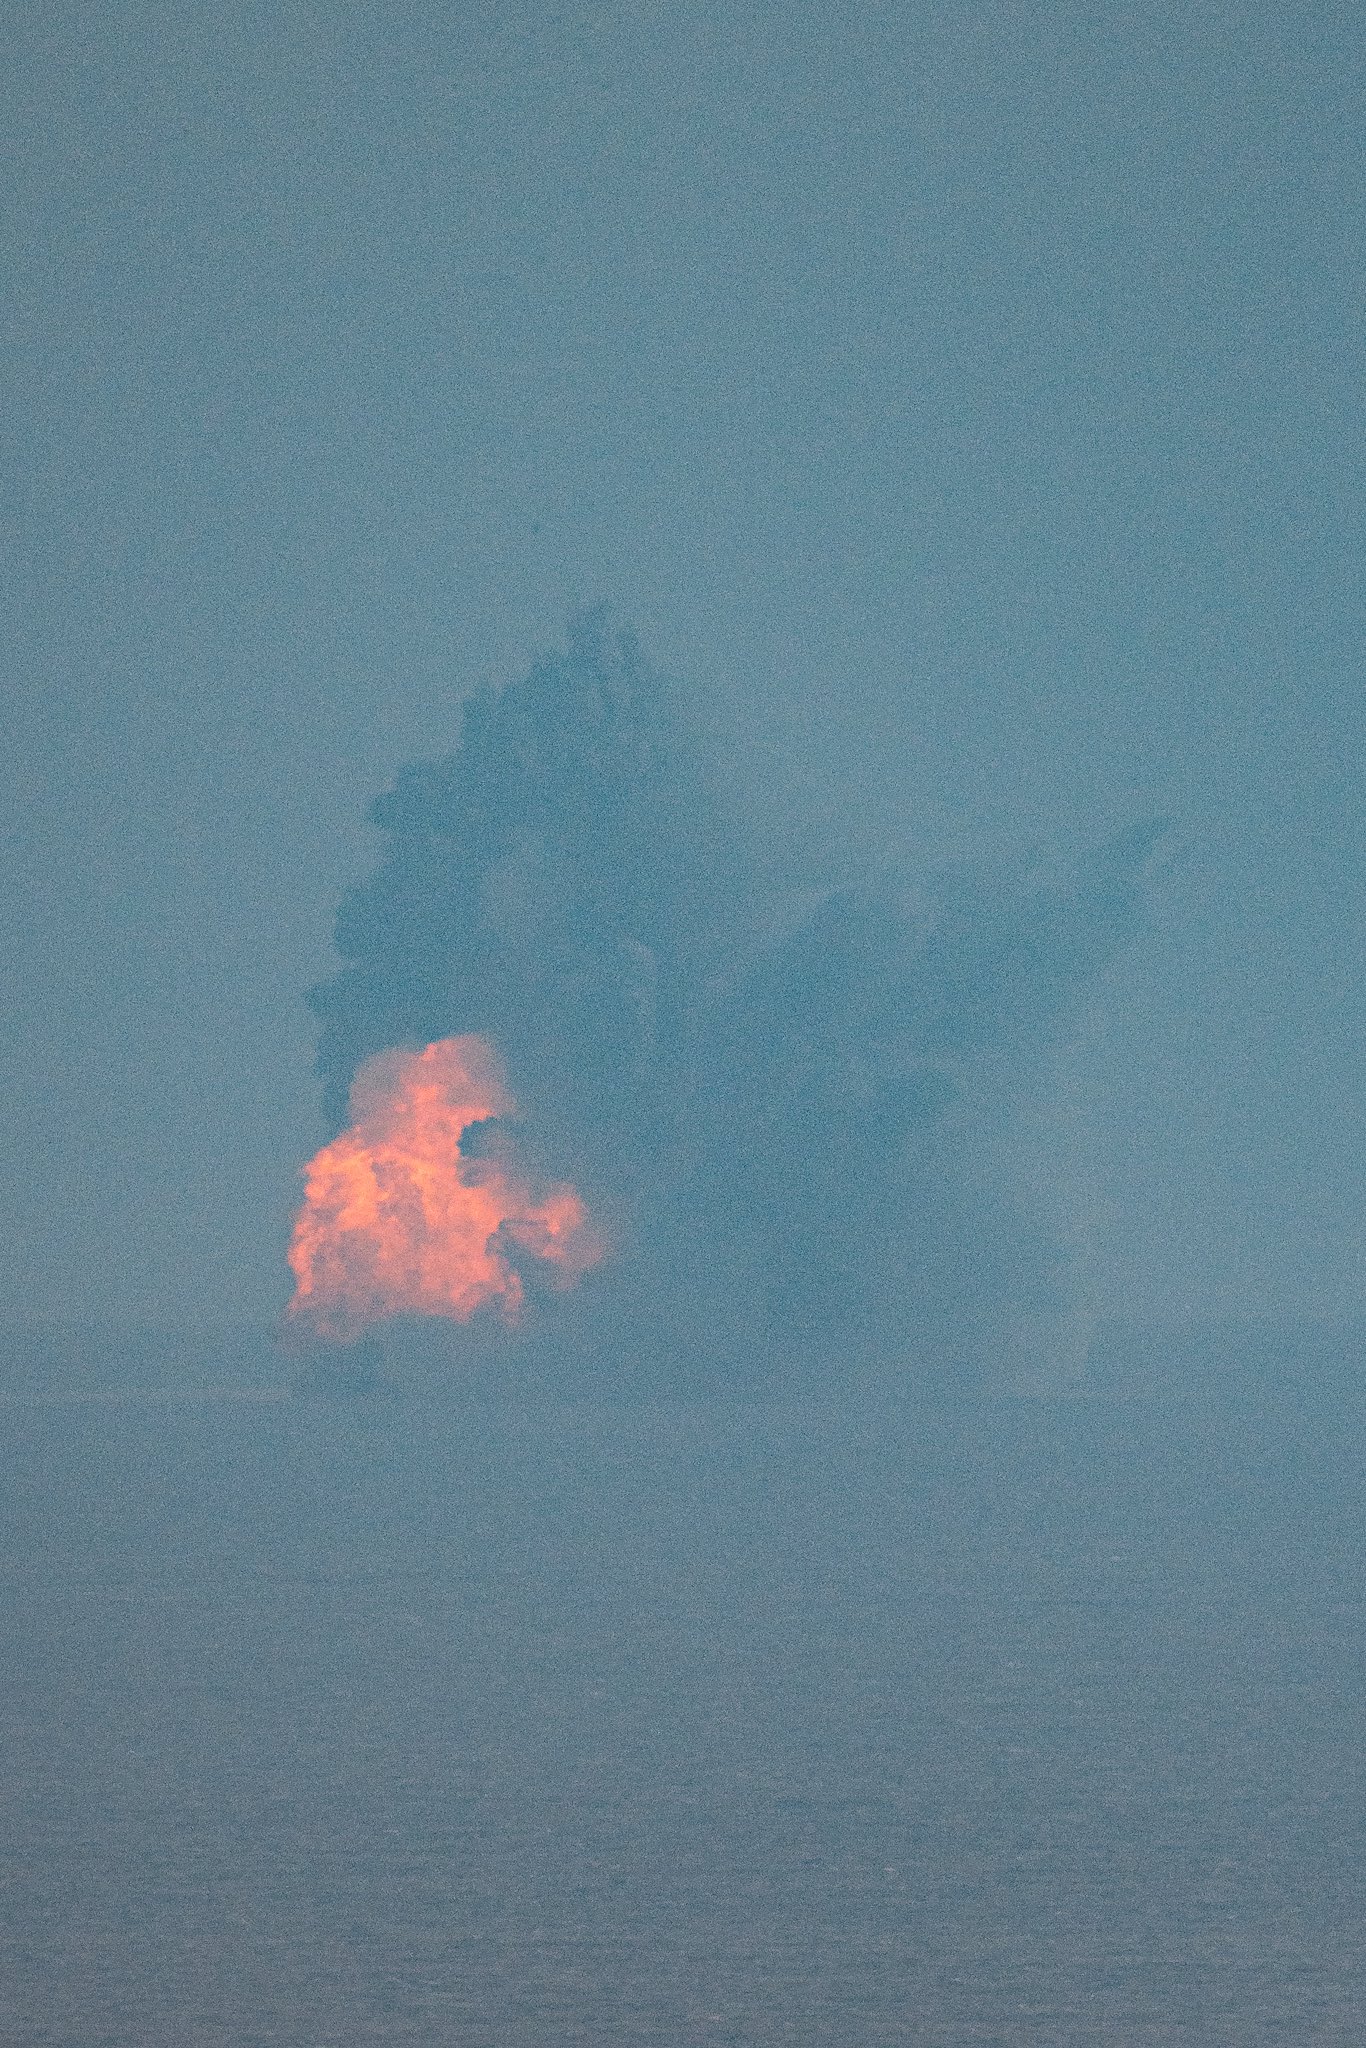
x=1031 y=1722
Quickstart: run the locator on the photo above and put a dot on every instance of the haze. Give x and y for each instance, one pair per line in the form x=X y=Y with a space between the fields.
x=901 y=1579
x=959 y=402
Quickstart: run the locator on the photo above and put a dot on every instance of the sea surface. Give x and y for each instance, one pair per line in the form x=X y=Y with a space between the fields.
x=380 y=1721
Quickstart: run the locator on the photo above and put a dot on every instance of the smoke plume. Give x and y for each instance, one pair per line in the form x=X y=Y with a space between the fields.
x=779 y=1101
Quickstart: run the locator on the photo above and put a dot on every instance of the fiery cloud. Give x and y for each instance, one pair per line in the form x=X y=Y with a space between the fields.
x=800 y=1097
x=395 y=1221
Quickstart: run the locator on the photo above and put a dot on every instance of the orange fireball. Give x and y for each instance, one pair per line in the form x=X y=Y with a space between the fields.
x=396 y=1222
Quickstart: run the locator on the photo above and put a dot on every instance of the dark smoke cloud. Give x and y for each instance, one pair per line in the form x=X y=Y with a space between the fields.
x=779 y=1102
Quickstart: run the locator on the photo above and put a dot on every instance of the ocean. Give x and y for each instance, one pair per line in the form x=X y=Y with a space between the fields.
x=395 y=1721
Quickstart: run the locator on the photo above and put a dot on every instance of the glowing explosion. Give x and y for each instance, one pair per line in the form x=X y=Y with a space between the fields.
x=396 y=1221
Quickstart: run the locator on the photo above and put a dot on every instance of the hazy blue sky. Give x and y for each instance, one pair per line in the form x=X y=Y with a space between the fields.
x=965 y=400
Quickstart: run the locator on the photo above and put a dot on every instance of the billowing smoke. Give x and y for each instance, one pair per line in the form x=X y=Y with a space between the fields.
x=775 y=1101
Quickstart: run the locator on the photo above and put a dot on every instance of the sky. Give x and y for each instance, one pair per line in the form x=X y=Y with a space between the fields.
x=963 y=402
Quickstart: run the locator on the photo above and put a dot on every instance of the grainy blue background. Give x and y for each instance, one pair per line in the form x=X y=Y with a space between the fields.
x=965 y=401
